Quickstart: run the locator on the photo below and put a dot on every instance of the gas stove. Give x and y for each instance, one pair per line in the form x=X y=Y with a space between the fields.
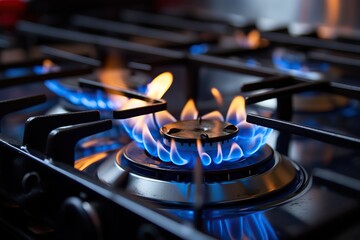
x=176 y=126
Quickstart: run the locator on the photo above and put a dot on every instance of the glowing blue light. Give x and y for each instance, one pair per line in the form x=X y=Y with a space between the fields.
x=251 y=226
x=295 y=63
x=199 y=48
x=39 y=70
x=324 y=67
x=142 y=88
x=97 y=100
x=249 y=140
x=251 y=62
x=351 y=110
x=16 y=72
x=284 y=63
x=180 y=159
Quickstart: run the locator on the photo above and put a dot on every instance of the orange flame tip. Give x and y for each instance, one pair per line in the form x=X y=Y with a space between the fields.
x=217 y=95
x=47 y=63
x=83 y=163
x=113 y=73
x=214 y=115
x=158 y=87
x=133 y=103
x=236 y=110
x=189 y=111
x=164 y=117
x=254 y=39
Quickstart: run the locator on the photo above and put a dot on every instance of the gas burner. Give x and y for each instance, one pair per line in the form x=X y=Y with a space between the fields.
x=169 y=156
x=263 y=180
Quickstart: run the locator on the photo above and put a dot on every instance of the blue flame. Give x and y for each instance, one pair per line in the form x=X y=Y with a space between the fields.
x=98 y=100
x=23 y=71
x=146 y=132
x=251 y=226
x=94 y=100
x=251 y=62
x=16 y=72
x=295 y=63
x=199 y=48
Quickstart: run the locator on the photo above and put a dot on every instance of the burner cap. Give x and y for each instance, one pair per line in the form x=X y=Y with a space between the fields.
x=206 y=130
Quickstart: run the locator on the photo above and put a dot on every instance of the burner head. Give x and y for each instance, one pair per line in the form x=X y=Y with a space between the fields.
x=213 y=139
x=207 y=131
x=263 y=180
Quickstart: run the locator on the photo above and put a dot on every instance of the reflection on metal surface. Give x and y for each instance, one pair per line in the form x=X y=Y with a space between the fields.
x=332 y=17
x=83 y=163
x=101 y=142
